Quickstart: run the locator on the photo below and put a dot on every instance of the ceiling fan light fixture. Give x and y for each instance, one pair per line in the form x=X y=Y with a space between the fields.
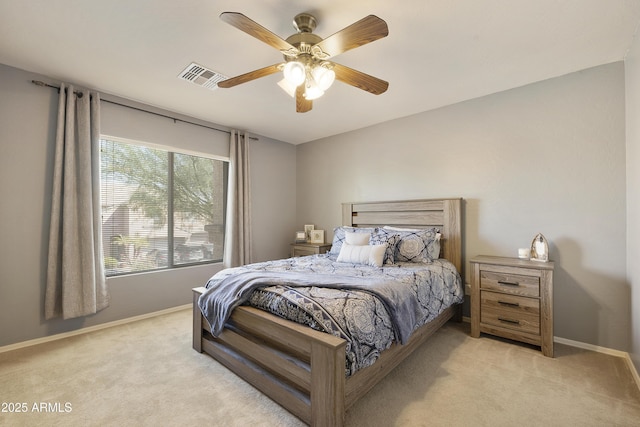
x=295 y=73
x=306 y=56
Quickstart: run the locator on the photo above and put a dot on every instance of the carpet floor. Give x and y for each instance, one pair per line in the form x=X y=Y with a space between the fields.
x=146 y=374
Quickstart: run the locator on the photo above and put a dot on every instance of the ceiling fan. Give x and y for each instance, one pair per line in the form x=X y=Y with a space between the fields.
x=306 y=67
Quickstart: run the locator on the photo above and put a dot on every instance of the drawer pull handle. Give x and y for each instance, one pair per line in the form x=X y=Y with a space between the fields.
x=502 y=282
x=513 y=322
x=510 y=304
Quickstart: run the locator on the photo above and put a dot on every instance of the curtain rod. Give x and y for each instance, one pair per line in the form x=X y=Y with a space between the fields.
x=43 y=84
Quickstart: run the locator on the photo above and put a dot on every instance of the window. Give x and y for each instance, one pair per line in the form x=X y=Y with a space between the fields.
x=160 y=209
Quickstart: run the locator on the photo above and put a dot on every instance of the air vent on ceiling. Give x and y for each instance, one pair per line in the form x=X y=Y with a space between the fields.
x=201 y=76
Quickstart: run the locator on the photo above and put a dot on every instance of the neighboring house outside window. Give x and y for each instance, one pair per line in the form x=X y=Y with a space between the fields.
x=160 y=209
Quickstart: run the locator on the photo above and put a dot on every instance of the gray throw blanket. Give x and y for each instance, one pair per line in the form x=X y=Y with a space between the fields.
x=222 y=296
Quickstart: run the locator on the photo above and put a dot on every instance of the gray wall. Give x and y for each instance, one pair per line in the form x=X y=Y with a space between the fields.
x=27 y=131
x=548 y=157
x=632 y=90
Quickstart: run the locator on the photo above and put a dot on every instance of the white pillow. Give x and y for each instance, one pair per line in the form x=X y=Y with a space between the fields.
x=356 y=239
x=362 y=254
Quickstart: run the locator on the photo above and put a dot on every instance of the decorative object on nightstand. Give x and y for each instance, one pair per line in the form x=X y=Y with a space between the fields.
x=301 y=237
x=513 y=298
x=308 y=228
x=317 y=236
x=303 y=249
x=539 y=248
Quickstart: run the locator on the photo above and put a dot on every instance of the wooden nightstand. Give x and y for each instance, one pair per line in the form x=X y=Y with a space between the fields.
x=513 y=298
x=303 y=249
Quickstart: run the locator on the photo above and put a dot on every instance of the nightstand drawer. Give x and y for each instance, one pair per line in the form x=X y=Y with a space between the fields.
x=501 y=310
x=509 y=304
x=510 y=283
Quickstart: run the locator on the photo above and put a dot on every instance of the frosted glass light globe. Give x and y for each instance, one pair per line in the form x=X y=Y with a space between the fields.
x=324 y=77
x=295 y=73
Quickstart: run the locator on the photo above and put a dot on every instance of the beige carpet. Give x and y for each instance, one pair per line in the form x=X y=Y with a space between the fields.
x=146 y=374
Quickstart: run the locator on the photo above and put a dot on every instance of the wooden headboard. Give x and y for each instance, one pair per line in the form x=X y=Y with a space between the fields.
x=444 y=214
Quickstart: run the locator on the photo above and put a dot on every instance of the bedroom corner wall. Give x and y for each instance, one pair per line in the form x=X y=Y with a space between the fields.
x=547 y=157
x=632 y=91
x=27 y=133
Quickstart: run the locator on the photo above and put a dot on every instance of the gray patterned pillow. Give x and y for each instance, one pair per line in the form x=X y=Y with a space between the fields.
x=339 y=236
x=391 y=239
x=416 y=245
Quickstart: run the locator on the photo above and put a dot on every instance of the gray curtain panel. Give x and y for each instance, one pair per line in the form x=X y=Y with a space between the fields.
x=76 y=284
x=237 y=240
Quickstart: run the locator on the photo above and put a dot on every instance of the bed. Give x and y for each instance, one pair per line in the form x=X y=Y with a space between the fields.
x=303 y=369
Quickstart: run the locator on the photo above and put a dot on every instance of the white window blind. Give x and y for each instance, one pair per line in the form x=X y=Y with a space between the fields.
x=160 y=209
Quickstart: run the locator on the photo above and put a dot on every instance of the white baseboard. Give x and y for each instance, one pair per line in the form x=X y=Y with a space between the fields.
x=586 y=346
x=88 y=329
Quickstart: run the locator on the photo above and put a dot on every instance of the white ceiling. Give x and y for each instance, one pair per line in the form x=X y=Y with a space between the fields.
x=438 y=52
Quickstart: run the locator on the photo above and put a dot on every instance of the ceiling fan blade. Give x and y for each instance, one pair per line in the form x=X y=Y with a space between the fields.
x=360 y=80
x=251 y=75
x=256 y=30
x=366 y=30
x=302 y=104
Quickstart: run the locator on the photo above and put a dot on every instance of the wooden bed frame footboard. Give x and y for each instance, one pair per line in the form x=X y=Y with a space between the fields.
x=299 y=368
x=302 y=369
